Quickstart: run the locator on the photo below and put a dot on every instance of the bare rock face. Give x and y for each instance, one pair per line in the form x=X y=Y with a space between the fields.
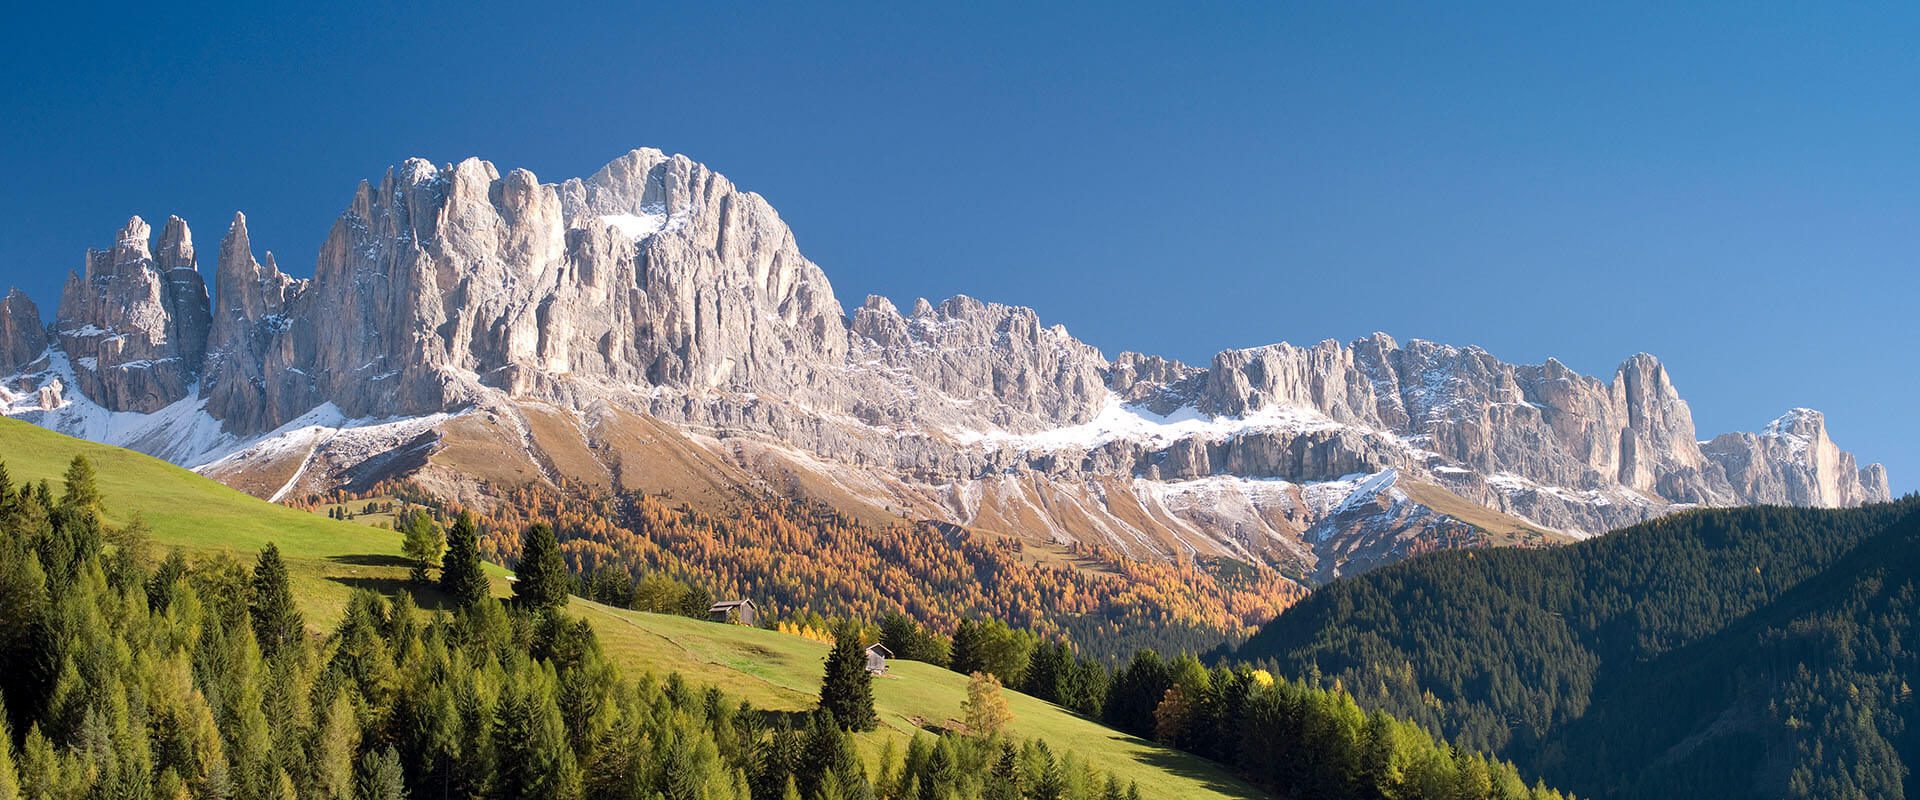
x=135 y=323
x=725 y=299
x=1792 y=462
x=1162 y=384
x=1542 y=422
x=996 y=364
x=253 y=379
x=441 y=283
x=23 y=337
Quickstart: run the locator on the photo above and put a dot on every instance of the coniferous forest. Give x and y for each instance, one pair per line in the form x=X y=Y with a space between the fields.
x=1765 y=652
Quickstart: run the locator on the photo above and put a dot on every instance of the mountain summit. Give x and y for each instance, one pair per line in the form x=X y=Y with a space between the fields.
x=654 y=327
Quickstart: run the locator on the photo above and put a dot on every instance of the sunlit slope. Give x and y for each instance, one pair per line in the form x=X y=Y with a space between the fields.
x=330 y=558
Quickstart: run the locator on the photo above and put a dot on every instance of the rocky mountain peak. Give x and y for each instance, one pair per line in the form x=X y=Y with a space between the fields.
x=254 y=375
x=999 y=361
x=136 y=326
x=176 y=246
x=130 y=246
x=1794 y=460
x=23 y=337
x=1802 y=422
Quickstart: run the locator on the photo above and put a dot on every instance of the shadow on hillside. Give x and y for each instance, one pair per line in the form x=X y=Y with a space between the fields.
x=426 y=597
x=773 y=718
x=1186 y=765
x=371 y=560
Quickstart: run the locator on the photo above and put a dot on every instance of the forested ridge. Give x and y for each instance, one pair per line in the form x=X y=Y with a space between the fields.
x=793 y=555
x=1717 y=653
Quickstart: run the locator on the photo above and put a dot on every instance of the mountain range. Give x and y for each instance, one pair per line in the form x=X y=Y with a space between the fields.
x=654 y=328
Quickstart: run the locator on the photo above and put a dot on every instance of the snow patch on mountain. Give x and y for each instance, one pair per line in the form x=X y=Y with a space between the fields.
x=1119 y=420
x=181 y=432
x=635 y=226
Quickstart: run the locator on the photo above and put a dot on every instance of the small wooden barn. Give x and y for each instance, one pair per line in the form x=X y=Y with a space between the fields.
x=877 y=656
x=738 y=612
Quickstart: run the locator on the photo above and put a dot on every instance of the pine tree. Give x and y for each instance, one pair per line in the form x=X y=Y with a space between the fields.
x=83 y=491
x=1051 y=785
x=335 y=738
x=422 y=544
x=827 y=754
x=380 y=777
x=530 y=742
x=846 y=691
x=9 y=775
x=461 y=577
x=966 y=657
x=276 y=622
x=542 y=581
x=1003 y=783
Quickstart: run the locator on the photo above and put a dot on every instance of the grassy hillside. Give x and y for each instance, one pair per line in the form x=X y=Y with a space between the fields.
x=329 y=559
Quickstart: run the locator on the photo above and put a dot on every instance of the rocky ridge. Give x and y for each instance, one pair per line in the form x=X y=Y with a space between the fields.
x=455 y=310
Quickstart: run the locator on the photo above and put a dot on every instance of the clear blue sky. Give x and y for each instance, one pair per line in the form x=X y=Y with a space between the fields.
x=1734 y=189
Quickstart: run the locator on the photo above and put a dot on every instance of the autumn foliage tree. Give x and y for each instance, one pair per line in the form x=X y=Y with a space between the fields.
x=985 y=708
x=792 y=556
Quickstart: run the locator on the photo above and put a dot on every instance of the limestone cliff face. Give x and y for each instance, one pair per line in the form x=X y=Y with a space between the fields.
x=1792 y=462
x=23 y=337
x=981 y=364
x=440 y=283
x=254 y=378
x=135 y=322
x=1543 y=423
x=657 y=290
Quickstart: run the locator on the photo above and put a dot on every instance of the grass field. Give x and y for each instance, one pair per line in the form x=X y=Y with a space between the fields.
x=329 y=559
x=356 y=511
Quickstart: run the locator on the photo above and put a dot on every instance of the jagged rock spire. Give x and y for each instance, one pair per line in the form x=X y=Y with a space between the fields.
x=135 y=326
x=23 y=337
x=254 y=378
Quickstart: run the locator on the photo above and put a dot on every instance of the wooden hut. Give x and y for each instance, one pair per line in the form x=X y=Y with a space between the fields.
x=738 y=612
x=877 y=656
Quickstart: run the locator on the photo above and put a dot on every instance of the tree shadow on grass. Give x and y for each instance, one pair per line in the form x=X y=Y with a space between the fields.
x=1210 y=774
x=776 y=718
x=426 y=596
x=371 y=560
